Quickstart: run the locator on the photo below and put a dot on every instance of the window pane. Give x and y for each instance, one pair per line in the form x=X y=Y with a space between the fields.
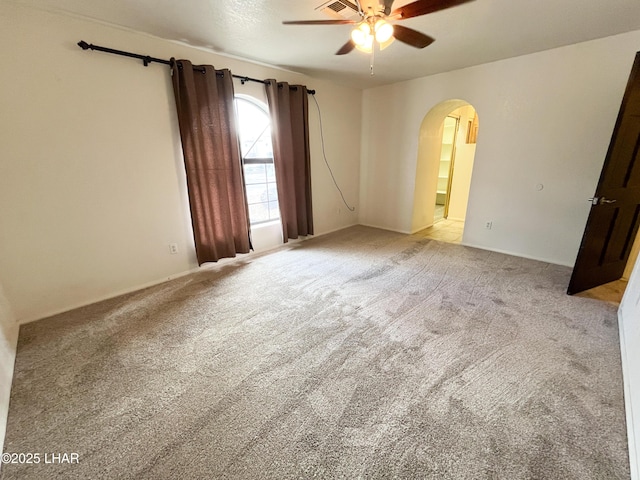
x=260 y=148
x=271 y=172
x=272 y=192
x=254 y=130
x=254 y=174
x=258 y=212
x=274 y=210
x=257 y=193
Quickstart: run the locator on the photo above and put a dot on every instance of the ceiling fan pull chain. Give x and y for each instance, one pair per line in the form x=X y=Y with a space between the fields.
x=373 y=55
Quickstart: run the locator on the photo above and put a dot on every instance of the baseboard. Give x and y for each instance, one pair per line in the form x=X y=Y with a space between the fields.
x=187 y=272
x=336 y=229
x=516 y=254
x=634 y=455
x=153 y=283
x=109 y=296
x=406 y=232
x=419 y=229
x=481 y=247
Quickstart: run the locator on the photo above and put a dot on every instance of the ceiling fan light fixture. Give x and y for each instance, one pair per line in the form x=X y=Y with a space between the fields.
x=374 y=27
x=384 y=31
x=361 y=35
x=387 y=43
x=368 y=48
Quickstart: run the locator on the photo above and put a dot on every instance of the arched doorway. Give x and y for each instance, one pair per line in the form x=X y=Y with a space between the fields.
x=446 y=152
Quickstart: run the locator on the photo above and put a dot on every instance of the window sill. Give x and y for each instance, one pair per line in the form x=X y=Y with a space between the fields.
x=269 y=224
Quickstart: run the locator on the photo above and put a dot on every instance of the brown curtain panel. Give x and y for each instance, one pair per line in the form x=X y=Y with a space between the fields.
x=289 y=110
x=207 y=119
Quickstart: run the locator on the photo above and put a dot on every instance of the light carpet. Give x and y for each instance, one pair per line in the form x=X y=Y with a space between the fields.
x=358 y=354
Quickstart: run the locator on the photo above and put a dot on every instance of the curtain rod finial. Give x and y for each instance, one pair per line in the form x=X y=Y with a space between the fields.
x=84 y=45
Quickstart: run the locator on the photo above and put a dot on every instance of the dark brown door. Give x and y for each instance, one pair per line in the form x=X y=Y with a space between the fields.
x=615 y=212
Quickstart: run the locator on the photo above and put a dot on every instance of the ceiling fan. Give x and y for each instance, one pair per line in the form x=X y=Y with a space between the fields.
x=375 y=24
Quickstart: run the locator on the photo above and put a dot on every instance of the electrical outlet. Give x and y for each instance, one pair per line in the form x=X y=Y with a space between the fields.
x=488 y=225
x=173 y=248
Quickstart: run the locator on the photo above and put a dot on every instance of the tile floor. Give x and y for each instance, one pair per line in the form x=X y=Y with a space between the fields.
x=609 y=292
x=444 y=230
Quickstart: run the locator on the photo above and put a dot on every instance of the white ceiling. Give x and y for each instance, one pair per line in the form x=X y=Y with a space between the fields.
x=474 y=33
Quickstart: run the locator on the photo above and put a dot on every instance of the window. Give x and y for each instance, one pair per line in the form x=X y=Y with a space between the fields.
x=254 y=130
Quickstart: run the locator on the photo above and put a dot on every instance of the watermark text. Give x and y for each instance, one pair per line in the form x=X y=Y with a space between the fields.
x=37 y=458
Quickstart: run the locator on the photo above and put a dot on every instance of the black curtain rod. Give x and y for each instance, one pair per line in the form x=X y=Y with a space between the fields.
x=146 y=60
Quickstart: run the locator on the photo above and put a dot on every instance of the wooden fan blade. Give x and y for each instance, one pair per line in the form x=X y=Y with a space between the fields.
x=346 y=48
x=319 y=22
x=412 y=37
x=422 y=7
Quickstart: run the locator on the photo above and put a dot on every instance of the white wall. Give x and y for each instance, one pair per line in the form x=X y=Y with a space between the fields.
x=546 y=118
x=629 y=324
x=8 y=342
x=92 y=185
